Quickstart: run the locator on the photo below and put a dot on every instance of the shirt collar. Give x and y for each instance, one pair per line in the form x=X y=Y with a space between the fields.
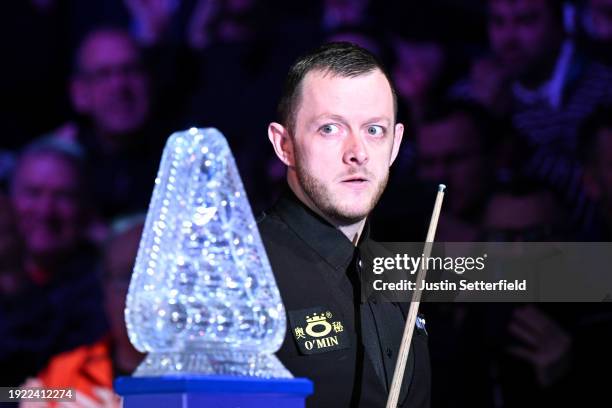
x=325 y=239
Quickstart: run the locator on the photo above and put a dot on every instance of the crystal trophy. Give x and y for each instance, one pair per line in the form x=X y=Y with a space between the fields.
x=202 y=299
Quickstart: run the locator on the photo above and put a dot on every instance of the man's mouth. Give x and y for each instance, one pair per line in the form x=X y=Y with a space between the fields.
x=355 y=181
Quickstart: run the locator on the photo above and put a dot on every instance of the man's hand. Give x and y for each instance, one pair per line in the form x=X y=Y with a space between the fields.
x=546 y=345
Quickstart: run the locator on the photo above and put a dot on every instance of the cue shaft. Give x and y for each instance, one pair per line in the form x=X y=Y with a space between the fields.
x=402 y=358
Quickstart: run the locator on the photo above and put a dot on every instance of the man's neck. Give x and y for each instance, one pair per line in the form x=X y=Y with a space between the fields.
x=111 y=144
x=351 y=231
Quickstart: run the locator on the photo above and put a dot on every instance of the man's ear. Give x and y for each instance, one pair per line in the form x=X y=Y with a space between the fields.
x=79 y=96
x=397 y=141
x=282 y=143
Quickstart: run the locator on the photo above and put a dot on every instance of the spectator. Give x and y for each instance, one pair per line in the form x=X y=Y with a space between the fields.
x=536 y=349
x=48 y=191
x=11 y=274
x=113 y=355
x=240 y=76
x=536 y=75
x=523 y=211
x=551 y=87
x=418 y=72
x=7 y=161
x=452 y=147
x=119 y=258
x=58 y=306
x=110 y=89
x=595 y=29
x=339 y=13
x=596 y=153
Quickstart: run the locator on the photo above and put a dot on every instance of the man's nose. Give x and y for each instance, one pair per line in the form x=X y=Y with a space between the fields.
x=45 y=207
x=118 y=80
x=355 y=151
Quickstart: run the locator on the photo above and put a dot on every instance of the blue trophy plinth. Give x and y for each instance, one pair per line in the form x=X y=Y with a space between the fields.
x=212 y=391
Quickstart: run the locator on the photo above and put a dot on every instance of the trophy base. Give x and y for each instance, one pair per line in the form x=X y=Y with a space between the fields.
x=207 y=362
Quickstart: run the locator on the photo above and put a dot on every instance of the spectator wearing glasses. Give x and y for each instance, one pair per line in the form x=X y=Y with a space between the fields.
x=110 y=89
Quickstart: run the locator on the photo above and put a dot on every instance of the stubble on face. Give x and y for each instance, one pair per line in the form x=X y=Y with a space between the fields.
x=328 y=202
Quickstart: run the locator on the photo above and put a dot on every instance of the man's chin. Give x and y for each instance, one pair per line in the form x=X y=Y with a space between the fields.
x=348 y=215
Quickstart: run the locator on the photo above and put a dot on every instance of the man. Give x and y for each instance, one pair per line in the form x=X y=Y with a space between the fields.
x=338 y=137
x=596 y=155
x=119 y=258
x=452 y=147
x=89 y=369
x=58 y=306
x=537 y=76
x=110 y=89
x=594 y=29
x=48 y=192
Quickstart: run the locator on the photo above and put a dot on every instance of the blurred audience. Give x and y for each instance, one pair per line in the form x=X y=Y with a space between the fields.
x=527 y=157
x=535 y=348
x=548 y=87
x=11 y=251
x=90 y=369
x=596 y=154
x=118 y=263
x=418 y=75
x=523 y=211
x=339 y=13
x=595 y=29
x=110 y=89
x=49 y=198
x=453 y=146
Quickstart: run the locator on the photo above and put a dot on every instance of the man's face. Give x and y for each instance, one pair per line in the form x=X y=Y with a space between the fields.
x=344 y=142
x=115 y=87
x=601 y=18
x=450 y=152
x=532 y=217
x=522 y=33
x=47 y=204
x=418 y=67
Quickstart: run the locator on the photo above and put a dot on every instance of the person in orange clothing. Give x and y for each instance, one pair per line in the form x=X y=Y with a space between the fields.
x=90 y=369
x=87 y=370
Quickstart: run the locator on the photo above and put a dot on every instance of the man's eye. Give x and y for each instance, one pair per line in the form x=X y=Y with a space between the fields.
x=376 y=130
x=329 y=129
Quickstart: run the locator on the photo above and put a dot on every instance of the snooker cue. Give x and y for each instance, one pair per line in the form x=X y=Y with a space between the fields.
x=400 y=365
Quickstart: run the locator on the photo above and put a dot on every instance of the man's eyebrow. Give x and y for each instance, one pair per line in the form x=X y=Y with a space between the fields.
x=328 y=116
x=379 y=119
x=341 y=119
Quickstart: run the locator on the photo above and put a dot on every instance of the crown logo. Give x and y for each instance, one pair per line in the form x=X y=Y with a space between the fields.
x=316 y=318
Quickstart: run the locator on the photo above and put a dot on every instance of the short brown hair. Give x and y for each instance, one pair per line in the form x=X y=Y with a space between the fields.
x=338 y=58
